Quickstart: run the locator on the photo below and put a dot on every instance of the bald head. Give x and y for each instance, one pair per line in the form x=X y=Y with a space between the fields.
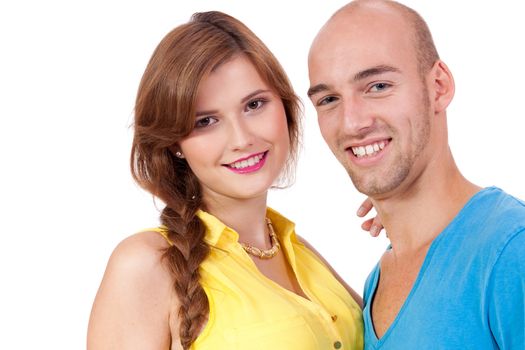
x=376 y=80
x=423 y=44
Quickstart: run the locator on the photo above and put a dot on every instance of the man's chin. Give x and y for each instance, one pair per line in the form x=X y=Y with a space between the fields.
x=374 y=187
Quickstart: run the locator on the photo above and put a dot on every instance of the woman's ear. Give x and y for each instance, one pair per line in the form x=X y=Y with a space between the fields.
x=176 y=151
x=442 y=83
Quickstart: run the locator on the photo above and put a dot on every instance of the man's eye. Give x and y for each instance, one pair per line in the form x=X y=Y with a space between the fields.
x=326 y=100
x=204 y=122
x=379 y=87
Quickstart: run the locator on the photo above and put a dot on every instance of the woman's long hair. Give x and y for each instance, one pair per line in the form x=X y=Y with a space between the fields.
x=165 y=113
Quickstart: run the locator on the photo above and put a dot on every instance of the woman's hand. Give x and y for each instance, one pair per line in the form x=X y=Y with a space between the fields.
x=373 y=225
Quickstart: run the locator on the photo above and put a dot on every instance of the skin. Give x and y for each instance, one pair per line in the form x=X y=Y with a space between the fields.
x=366 y=88
x=238 y=115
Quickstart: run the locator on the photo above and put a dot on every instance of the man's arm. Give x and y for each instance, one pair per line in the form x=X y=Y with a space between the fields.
x=506 y=295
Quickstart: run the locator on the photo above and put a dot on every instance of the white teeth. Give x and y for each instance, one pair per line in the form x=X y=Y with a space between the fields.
x=247 y=162
x=368 y=150
x=359 y=151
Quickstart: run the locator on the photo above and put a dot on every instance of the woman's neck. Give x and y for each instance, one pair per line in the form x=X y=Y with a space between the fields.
x=245 y=216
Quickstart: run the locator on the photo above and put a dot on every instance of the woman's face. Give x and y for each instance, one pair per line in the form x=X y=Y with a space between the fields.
x=240 y=141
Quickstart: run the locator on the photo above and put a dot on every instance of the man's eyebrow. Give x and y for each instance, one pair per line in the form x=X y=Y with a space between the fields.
x=375 y=71
x=358 y=76
x=316 y=89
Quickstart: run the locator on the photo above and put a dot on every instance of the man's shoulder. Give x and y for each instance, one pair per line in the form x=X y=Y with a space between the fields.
x=494 y=218
x=494 y=204
x=503 y=209
x=505 y=199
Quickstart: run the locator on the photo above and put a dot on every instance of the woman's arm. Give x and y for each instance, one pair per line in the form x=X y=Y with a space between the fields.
x=132 y=306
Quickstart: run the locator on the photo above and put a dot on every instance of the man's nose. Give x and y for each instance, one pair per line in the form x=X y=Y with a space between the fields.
x=356 y=118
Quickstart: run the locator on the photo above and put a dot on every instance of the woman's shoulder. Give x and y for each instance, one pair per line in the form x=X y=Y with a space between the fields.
x=138 y=260
x=350 y=290
x=136 y=265
x=135 y=293
x=140 y=253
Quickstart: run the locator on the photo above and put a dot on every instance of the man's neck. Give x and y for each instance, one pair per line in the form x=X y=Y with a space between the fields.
x=413 y=218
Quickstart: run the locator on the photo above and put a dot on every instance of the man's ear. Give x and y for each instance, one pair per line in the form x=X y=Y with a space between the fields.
x=442 y=83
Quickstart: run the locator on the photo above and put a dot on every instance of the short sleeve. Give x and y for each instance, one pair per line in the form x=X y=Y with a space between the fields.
x=506 y=295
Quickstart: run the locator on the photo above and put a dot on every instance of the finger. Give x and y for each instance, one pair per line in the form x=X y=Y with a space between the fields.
x=376 y=227
x=365 y=207
x=367 y=224
x=375 y=230
x=377 y=222
x=373 y=226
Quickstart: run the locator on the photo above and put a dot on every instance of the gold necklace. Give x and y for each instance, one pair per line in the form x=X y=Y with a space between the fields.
x=264 y=253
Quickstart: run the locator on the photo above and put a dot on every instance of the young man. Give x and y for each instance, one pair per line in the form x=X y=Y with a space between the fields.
x=454 y=276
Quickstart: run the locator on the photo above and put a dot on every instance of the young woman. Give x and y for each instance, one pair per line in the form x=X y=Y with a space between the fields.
x=217 y=125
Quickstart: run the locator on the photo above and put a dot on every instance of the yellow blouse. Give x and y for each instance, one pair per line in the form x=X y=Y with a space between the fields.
x=250 y=311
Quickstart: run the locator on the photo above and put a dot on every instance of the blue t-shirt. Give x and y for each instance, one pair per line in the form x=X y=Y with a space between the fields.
x=470 y=291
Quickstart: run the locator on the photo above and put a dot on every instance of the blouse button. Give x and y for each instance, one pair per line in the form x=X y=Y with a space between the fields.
x=337 y=345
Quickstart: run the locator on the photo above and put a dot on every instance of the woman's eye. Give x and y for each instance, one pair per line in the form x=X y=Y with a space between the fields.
x=326 y=100
x=379 y=87
x=255 y=104
x=204 y=122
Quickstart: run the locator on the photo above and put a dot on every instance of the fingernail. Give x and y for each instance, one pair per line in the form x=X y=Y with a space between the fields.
x=374 y=230
x=361 y=211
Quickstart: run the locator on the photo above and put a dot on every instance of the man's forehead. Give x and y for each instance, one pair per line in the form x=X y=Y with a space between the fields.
x=367 y=20
x=361 y=44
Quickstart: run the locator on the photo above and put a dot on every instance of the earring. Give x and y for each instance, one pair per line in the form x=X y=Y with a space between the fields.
x=178 y=154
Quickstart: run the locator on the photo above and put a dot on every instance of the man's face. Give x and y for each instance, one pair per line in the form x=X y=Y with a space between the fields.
x=372 y=103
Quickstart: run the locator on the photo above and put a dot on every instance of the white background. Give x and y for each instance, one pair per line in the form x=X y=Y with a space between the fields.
x=68 y=76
